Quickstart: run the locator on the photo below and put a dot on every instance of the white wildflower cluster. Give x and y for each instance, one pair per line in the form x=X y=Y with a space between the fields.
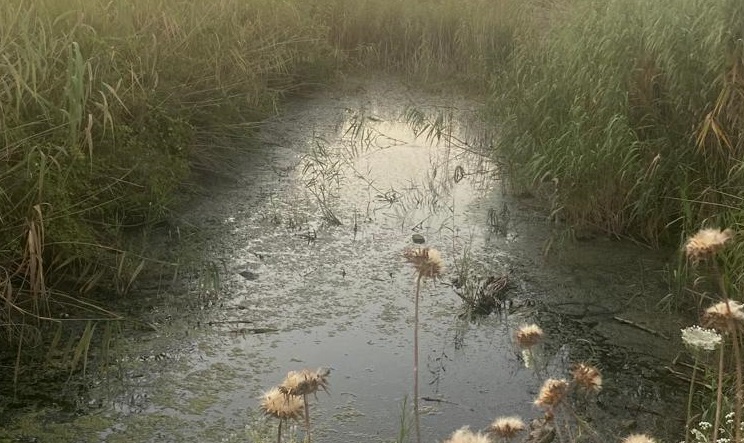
x=729 y=418
x=698 y=339
x=699 y=436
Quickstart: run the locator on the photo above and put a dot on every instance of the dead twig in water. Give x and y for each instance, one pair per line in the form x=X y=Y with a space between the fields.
x=244 y=331
x=439 y=400
x=641 y=327
x=228 y=322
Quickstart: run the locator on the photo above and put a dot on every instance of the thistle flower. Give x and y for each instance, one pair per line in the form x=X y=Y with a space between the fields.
x=699 y=340
x=639 y=438
x=304 y=382
x=551 y=393
x=465 y=435
x=706 y=243
x=528 y=336
x=283 y=407
x=724 y=316
x=506 y=427
x=427 y=261
x=587 y=377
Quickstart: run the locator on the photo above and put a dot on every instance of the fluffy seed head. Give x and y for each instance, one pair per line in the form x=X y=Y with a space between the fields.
x=587 y=377
x=506 y=427
x=465 y=435
x=275 y=404
x=305 y=382
x=724 y=316
x=706 y=243
x=427 y=261
x=639 y=438
x=529 y=335
x=699 y=340
x=551 y=393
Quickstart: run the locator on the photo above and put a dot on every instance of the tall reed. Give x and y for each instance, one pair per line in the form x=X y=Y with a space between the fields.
x=631 y=108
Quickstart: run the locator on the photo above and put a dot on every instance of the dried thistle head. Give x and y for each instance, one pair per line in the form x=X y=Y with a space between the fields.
x=528 y=336
x=706 y=243
x=304 y=382
x=724 y=316
x=638 y=438
x=587 y=377
x=506 y=427
x=465 y=435
x=276 y=404
x=427 y=261
x=551 y=393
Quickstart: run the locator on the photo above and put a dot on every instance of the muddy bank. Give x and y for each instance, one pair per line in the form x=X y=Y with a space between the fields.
x=299 y=265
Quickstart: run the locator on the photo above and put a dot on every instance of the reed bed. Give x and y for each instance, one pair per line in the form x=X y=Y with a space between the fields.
x=107 y=107
x=630 y=111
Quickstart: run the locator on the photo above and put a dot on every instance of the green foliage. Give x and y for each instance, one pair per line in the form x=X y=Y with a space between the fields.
x=106 y=107
x=628 y=107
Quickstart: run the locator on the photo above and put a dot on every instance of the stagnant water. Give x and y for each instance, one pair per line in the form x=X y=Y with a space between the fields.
x=301 y=266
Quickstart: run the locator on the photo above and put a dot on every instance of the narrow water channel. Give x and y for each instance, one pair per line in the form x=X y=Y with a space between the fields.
x=302 y=267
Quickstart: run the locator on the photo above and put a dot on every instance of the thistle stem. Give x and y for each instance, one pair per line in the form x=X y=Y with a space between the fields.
x=279 y=432
x=307 y=418
x=719 y=394
x=689 y=401
x=415 y=360
x=739 y=388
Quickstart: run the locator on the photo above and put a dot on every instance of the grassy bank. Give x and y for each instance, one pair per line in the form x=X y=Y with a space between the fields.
x=107 y=107
x=633 y=111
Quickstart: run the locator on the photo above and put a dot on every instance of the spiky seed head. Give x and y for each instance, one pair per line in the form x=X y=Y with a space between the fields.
x=427 y=261
x=528 y=336
x=638 y=438
x=587 y=377
x=724 y=316
x=706 y=243
x=276 y=404
x=305 y=382
x=465 y=435
x=506 y=427
x=551 y=393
